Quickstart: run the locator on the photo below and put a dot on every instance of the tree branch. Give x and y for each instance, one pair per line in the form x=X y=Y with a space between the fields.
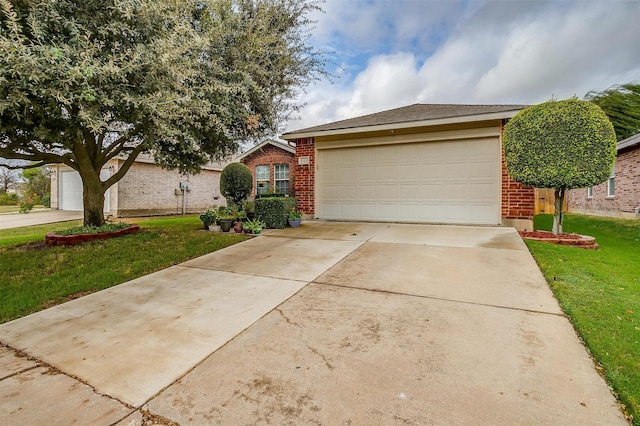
x=124 y=168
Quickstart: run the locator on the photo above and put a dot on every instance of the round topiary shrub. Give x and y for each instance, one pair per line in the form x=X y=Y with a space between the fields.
x=562 y=145
x=236 y=183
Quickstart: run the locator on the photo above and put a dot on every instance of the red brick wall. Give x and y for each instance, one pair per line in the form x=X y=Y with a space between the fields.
x=517 y=199
x=269 y=155
x=627 y=190
x=305 y=175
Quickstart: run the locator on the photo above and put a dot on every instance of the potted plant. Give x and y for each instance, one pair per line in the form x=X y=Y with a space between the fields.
x=239 y=217
x=294 y=218
x=249 y=208
x=225 y=219
x=208 y=218
x=254 y=225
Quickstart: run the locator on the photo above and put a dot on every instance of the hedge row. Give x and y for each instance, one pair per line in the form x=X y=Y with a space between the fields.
x=274 y=211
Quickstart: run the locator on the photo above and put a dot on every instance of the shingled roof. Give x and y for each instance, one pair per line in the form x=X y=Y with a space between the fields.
x=410 y=114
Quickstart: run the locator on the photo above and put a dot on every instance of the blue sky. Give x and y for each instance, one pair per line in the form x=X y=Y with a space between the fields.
x=388 y=54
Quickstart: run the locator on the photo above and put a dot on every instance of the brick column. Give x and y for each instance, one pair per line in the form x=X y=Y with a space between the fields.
x=305 y=175
x=517 y=199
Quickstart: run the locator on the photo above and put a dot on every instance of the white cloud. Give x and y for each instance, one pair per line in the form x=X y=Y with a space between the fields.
x=492 y=52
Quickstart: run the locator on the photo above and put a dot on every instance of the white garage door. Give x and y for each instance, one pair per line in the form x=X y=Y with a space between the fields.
x=438 y=182
x=71 y=190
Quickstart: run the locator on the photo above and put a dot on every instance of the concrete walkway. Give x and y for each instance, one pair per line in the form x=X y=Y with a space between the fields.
x=16 y=220
x=330 y=323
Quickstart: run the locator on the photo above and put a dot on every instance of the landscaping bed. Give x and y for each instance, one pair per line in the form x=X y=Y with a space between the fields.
x=576 y=240
x=54 y=238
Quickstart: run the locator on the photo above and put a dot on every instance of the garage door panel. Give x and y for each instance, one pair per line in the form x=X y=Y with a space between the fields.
x=441 y=181
x=431 y=171
x=485 y=169
x=367 y=193
x=367 y=174
x=431 y=191
x=348 y=192
x=457 y=191
x=387 y=193
x=482 y=191
x=348 y=174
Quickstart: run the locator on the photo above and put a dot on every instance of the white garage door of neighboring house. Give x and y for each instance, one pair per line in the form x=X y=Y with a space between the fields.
x=71 y=190
x=438 y=182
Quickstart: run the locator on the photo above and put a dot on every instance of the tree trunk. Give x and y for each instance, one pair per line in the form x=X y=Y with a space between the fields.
x=93 y=200
x=558 y=214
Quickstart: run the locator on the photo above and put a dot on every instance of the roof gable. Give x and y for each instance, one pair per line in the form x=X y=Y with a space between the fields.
x=261 y=145
x=417 y=113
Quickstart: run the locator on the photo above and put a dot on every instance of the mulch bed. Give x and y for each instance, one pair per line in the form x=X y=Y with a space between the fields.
x=69 y=240
x=576 y=240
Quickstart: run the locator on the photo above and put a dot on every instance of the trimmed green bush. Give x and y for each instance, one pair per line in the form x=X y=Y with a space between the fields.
x=562 y=145
x=275 y=211
x=236 y=183
x=9 y=199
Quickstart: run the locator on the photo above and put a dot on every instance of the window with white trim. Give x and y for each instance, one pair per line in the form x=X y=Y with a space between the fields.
x=281 y=174
x=262 y=179
x=611 y=182
x=590 y=192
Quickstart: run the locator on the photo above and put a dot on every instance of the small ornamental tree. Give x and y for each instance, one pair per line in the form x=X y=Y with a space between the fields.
x=561 y=145
x=236 y=183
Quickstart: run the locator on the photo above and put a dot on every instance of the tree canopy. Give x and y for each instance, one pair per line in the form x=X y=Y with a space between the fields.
x=82 y=83
x=561 y=145
x=621 y=103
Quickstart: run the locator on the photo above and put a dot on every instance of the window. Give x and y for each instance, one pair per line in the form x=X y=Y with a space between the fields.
x=262 y=179
x=590 y=192
x=611 y=183
x=281 y=173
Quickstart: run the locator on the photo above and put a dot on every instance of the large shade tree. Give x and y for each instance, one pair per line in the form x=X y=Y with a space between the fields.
x=84 y=82
x=621 y=103
x=561 y=145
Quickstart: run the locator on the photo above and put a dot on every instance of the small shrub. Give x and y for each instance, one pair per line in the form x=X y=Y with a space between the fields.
x=46 y=200
x=26 y=205
x=275 y=211
x=236 y=183
x=9 y=199
x=107 y=227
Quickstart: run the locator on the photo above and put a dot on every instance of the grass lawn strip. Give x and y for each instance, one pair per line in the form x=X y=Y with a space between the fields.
x=600 y=292
x=34 y=276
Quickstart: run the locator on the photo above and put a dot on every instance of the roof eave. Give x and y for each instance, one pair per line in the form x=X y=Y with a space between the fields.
x=402 y=125
x=628 y=143
x=262 y=145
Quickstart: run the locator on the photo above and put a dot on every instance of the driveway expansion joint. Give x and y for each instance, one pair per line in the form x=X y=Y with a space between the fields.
x=55 y=370
x=443 y=299
x=201 y=268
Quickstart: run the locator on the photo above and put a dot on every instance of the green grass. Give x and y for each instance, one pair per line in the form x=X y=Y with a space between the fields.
x=34 y=276
x=600 y=291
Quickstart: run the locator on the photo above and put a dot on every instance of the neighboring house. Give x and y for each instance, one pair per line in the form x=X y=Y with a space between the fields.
x=146 y=189
x=619 y=196
x=272 y=164
x=421 y=163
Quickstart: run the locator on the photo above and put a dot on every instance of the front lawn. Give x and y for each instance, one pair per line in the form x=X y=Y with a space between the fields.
x=600 y=291
x=34 y=276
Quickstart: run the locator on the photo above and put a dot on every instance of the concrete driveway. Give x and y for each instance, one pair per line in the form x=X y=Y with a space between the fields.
x=330 y=323
x=16 y=220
